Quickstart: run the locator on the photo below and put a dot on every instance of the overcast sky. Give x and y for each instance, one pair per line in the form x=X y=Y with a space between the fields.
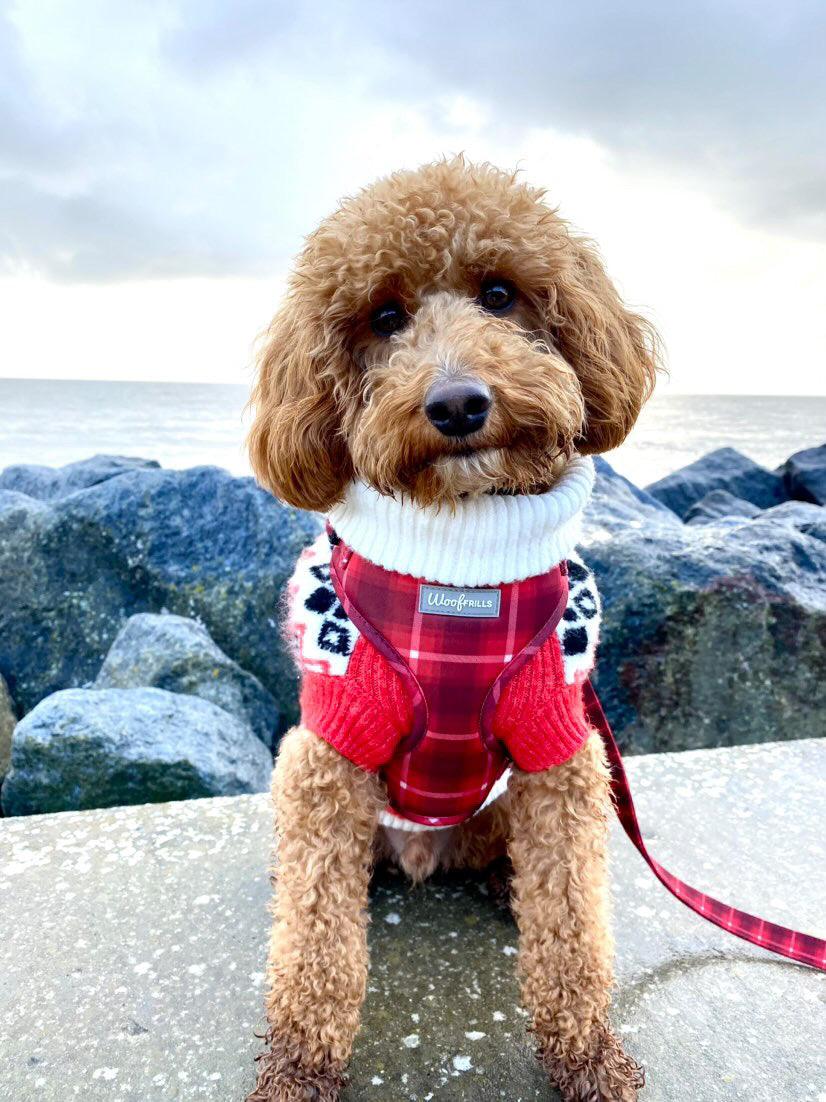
x=160 y=163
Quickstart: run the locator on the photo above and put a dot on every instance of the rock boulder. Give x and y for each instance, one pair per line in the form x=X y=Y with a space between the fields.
x=50 y=483
x=7 y=724
x=84 y=748
x=618 y=503
x=719 y=505
x=723 y=469
x=198 y=543
x=712 y=634
x=177 y=654
x=802 y=515
x=804 y=475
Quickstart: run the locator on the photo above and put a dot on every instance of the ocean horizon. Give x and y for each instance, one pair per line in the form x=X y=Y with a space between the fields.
x=53 y=422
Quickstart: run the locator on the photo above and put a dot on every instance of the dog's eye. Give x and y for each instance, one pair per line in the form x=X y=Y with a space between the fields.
x=497 y=295
x=388 y=319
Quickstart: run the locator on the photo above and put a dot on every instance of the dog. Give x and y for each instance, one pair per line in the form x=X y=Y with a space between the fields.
x=448 y=356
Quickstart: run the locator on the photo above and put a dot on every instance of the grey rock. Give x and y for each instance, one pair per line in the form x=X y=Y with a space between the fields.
x=801 y=515
x=49 y=483
x=712 y=634
x=178 y=654
x=153 y=920
x=723 y=469
x=804 y=475
x=618 y=503
x=84 y=748
x=720 y=504
x=8 y=720
x=198 y=543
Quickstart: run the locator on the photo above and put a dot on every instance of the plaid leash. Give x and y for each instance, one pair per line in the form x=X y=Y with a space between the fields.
x=803 y=948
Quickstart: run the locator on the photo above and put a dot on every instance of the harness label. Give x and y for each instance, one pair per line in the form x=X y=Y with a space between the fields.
x=440 y=600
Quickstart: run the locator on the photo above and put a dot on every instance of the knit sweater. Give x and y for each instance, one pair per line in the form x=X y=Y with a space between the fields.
x=382 y=697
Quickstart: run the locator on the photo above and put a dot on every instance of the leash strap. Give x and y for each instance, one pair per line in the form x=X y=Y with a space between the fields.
x=803 y=948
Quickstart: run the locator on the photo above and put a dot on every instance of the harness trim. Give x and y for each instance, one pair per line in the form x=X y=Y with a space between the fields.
x=340 y=557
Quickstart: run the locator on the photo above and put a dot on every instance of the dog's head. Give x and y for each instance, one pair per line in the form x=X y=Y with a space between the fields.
x=444 y=333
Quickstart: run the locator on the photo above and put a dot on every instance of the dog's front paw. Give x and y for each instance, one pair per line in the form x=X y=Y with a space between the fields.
x=604 y=1073
x=287 y=1073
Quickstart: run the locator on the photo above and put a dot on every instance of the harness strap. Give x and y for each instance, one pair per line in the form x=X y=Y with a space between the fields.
x=804 y=948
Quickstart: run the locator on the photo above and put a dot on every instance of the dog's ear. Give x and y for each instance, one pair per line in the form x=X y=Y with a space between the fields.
x=613 y=351
x=295 y=444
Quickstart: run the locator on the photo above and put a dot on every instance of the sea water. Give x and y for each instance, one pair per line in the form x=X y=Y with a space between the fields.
x=186 y=424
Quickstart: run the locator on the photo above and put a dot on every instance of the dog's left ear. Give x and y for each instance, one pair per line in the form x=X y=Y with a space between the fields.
x=613 y=351
x=295 y=444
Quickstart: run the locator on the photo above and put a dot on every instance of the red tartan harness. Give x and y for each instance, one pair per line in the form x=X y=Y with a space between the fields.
x=455 y=667
x=455 y=650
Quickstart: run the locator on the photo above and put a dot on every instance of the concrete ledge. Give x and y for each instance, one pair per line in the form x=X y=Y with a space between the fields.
x=132 y=946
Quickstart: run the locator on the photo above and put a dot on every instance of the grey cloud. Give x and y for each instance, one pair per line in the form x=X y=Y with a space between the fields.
x=90 y=237
x=144 y=171
x=214 y=35
x=203 y=137
x=732 y=94
x=28 y=137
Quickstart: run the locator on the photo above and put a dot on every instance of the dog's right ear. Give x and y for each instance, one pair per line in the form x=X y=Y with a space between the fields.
x=295 y=444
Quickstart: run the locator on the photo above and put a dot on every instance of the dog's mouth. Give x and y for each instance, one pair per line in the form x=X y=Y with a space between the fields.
x=497 y=469
x=465 y=458
x=463 y=464
x=471 y=470
x=489 y=464
x=462 y=453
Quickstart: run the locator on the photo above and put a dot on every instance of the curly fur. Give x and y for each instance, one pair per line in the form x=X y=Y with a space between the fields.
x=285 y=1073
x=568 y=369
x=558 y=845
x=603 y=1074
x=326 y=810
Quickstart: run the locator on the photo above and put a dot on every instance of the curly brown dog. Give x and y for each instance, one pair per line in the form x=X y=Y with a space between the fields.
x=448 y=349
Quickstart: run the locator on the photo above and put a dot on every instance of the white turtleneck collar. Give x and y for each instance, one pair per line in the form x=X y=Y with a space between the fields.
x=487 y=540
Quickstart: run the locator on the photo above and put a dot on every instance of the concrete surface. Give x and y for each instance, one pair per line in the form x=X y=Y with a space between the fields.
x=132 y=946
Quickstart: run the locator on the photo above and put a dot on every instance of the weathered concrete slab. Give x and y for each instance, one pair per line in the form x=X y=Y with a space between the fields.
x=132 y=947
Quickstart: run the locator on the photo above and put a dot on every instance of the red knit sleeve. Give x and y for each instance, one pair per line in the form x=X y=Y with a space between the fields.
x=364 y=713
x=540 y=718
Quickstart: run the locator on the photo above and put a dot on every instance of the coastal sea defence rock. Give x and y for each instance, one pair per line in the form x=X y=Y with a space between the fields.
x=49 y=483
x=713 y=633
x=81 y=749
x=177 y=654
x=198 y=543
x=618 y=504
x=802 y=515
x=804 y=475
x=145 y=580
x=7 y=723
x=723 y=469
x=720 y=504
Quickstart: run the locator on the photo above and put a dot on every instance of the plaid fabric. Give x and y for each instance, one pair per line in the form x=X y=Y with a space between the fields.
x=455 y=668
x=804 y=948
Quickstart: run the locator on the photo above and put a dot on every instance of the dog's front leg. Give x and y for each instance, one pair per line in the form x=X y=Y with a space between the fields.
x=326 y=810
x=560 y=899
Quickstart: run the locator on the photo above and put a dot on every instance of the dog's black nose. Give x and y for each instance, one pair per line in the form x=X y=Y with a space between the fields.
x=457 y=407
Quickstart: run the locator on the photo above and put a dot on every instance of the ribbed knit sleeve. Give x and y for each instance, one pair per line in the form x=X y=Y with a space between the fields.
x=541 y=719
x=363 y=714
